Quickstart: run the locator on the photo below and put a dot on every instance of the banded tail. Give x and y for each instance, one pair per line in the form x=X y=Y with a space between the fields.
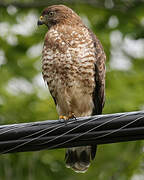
x=78 y=158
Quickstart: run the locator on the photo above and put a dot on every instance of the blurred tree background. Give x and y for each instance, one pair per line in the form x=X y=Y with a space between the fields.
x=119 y=24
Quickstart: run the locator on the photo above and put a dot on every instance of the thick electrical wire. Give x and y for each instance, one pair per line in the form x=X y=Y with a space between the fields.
x=22 y=144
x=56 y=126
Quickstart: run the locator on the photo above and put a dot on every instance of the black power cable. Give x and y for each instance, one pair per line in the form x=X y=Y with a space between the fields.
x=51 y=134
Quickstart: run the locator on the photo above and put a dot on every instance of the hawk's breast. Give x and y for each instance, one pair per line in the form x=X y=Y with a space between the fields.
x=68 y=61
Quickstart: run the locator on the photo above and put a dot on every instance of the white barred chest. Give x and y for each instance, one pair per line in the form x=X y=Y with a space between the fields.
x=68 y=60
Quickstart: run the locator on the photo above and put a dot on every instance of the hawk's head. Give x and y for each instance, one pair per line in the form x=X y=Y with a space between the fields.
x=58 y=14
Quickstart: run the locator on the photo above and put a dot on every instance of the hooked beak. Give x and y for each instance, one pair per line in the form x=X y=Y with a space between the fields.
x=40 y=21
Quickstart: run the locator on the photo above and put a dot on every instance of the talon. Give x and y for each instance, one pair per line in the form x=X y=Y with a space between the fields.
x=72 y=116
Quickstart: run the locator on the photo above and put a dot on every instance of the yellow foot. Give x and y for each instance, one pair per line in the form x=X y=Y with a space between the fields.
x=70 y=116
x=63 y=117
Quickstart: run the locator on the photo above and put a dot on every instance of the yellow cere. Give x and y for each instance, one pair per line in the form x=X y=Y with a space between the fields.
x=41 y=17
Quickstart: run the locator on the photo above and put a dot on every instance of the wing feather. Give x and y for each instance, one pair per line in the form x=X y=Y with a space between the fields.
x=99 y=91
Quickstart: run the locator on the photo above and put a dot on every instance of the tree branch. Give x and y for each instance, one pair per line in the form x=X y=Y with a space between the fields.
x=38 y=4
x=122 y=7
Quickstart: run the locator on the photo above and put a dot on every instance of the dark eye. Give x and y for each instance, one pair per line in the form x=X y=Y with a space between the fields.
x=51 y=13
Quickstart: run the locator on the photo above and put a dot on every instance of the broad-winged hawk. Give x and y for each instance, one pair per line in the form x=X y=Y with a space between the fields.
x=73 y=63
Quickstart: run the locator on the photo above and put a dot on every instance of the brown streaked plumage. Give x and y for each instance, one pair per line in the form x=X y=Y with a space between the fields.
x=73 y=63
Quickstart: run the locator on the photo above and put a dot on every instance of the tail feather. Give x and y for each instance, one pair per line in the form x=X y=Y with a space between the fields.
x=93 y=151
x=78 y=158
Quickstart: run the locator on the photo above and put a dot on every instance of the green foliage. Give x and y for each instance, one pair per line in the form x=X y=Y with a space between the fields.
x=23 y=97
